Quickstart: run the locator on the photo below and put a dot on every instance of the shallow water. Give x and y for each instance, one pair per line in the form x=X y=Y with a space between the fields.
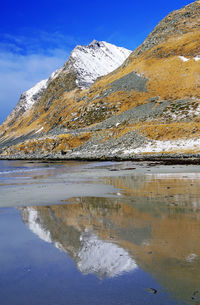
x=139 y=246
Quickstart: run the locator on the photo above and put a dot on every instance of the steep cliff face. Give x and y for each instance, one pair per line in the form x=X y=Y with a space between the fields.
x=149 y=105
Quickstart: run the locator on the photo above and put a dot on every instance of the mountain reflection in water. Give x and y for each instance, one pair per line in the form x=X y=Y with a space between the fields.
x=92 y=254
x=154 y=226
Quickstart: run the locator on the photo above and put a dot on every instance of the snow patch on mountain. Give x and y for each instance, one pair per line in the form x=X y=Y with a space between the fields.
x=39 y=130
x=157 y=146
x=176 y=115
x=197 y=58
x=184 y=59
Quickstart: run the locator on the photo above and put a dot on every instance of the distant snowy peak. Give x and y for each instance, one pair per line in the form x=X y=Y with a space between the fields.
x=96 y=59
x=88 y=62
x=31 y=96
x=55 y=74
x=28 y=99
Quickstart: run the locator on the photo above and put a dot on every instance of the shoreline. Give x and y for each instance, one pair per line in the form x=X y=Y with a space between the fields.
x=165 y=159
x=81 y=180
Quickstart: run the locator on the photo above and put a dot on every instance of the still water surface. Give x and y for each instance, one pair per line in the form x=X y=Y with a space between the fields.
x=141 y=246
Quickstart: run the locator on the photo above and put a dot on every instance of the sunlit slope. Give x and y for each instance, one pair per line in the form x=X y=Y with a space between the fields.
x=149 y=105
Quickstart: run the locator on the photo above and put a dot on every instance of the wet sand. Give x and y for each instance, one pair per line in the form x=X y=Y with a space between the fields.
x=56 y=185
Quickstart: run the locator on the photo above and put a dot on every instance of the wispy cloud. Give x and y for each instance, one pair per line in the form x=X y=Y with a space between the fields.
x=36 y=41
x=25 y=61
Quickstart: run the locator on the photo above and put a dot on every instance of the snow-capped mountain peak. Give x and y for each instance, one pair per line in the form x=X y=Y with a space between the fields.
x=86 y=62
x=96 y=59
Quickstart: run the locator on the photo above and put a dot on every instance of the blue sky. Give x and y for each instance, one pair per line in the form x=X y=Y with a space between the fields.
x=36 y=37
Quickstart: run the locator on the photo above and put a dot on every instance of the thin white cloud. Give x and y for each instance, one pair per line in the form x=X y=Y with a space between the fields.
x=31 y=42
x=26 y=59
x=18 y=73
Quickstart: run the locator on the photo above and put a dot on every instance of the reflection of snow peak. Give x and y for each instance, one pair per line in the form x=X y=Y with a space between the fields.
x=94 y=256
x=34 y=222
x=103 y=258
x=36 y=227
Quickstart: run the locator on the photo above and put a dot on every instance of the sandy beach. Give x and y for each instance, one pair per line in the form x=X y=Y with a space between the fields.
x=54 y=185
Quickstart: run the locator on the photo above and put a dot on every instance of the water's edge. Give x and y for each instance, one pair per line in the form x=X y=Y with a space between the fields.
x=165 y=159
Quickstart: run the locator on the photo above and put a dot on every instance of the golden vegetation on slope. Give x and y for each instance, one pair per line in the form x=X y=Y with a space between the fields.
x=157 y=131
x=74 y=141
x=56 y=144
x=171 y=131
x=185 y=45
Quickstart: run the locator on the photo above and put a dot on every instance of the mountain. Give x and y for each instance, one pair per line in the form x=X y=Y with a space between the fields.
x=148 y=107
x=84 y=66
x=97 y=59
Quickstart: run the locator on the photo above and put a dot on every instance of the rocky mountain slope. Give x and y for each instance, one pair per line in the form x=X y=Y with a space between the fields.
x=150 y=105
x=84 y=66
